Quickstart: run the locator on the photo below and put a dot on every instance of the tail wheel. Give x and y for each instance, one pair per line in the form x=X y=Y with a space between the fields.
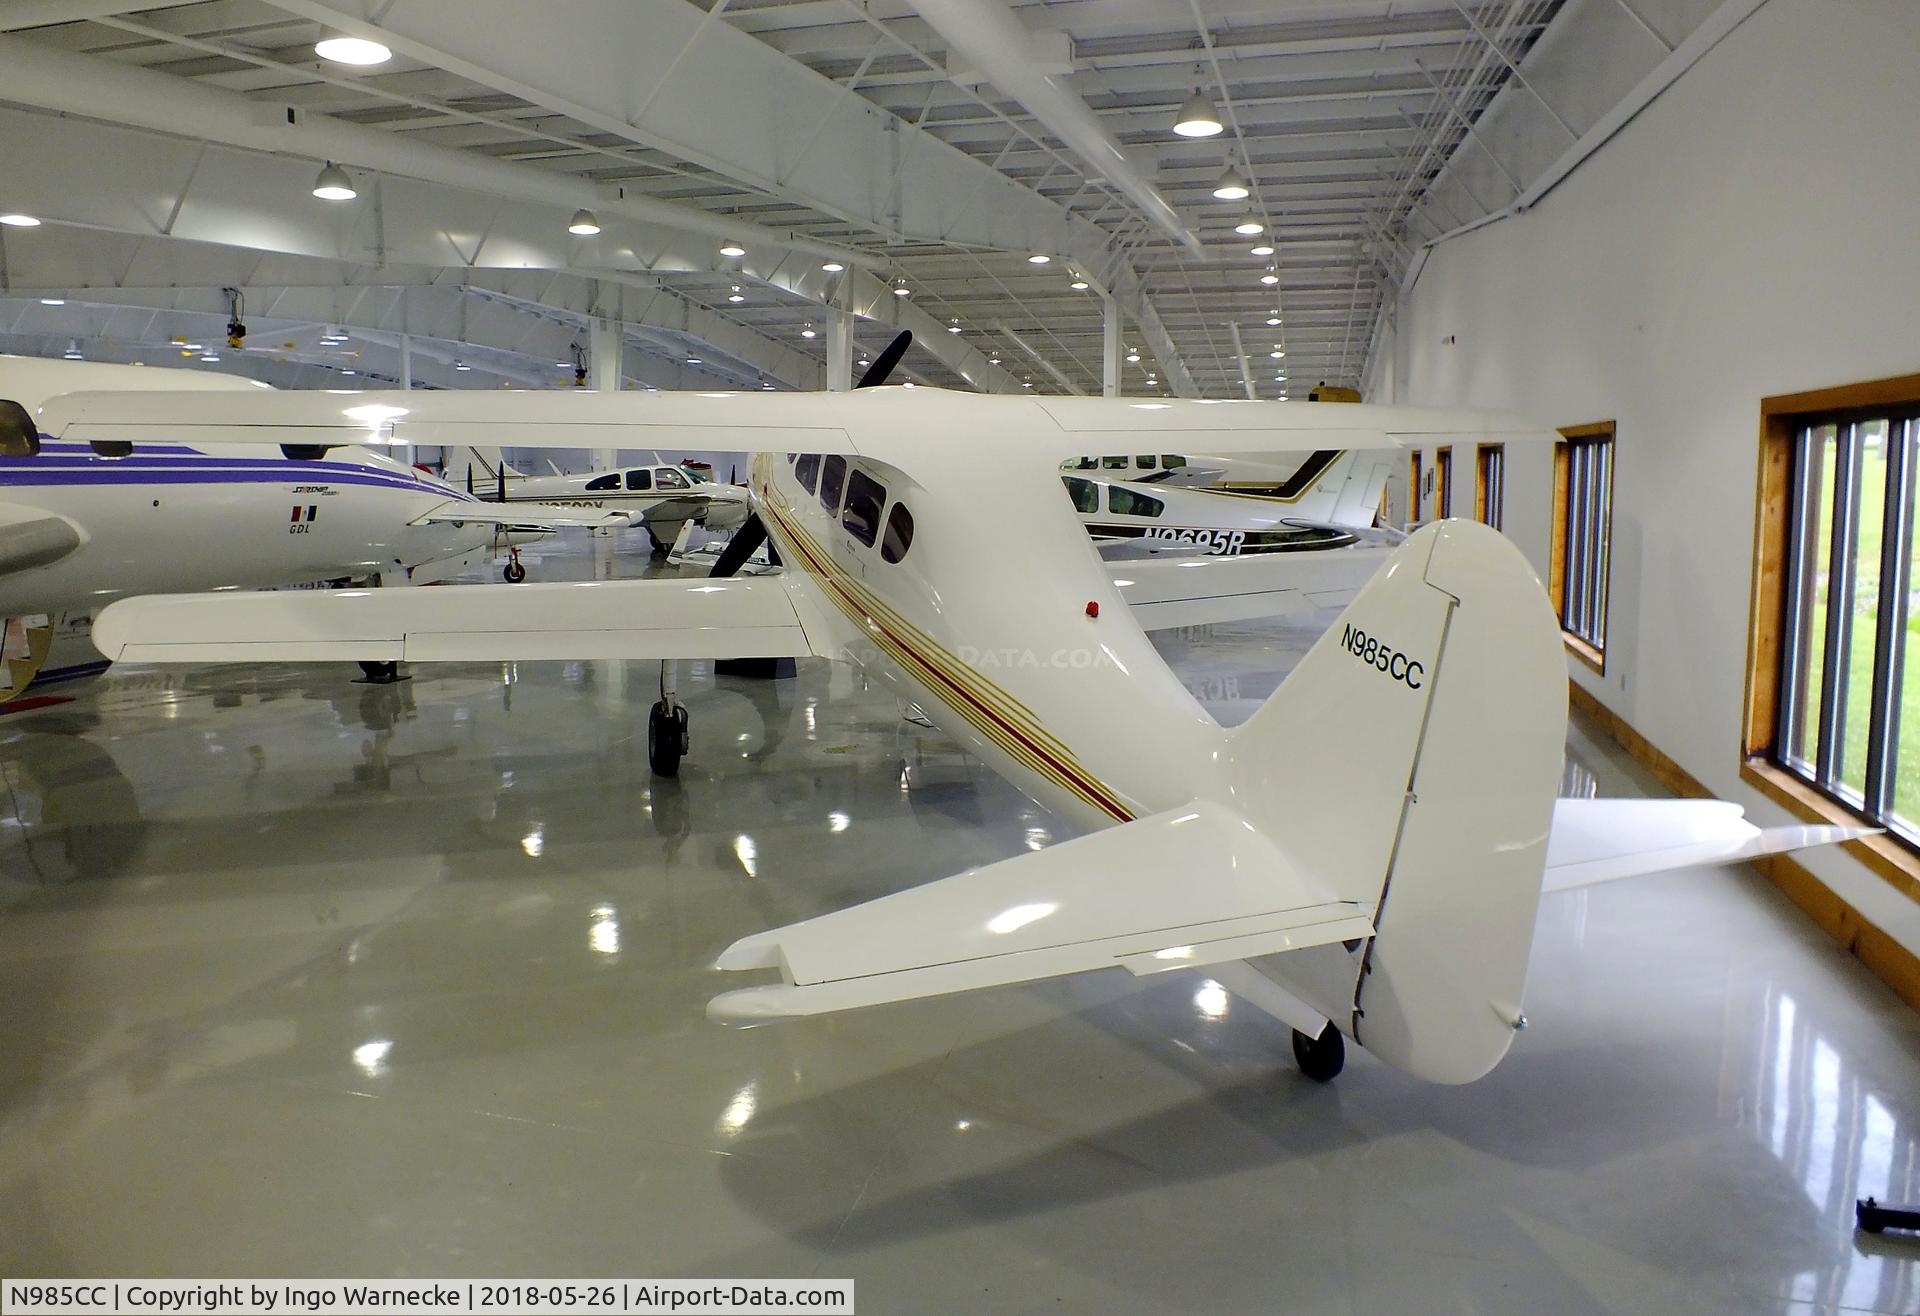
x=1320 y=1058
x=25 y=643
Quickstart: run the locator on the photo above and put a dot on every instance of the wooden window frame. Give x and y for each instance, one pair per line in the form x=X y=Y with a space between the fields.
x=1443 y=482
x=1891 y=856
x=1579 y=646
x=1416 y=473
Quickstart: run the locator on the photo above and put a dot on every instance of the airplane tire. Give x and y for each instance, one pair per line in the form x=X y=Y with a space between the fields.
x=667 y=739
x=659 y=549
x=380 y=673
x=514 y=573
x=1320 y=1058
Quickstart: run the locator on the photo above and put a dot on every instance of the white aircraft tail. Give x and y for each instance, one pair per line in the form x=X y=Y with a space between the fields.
x=1409 y=763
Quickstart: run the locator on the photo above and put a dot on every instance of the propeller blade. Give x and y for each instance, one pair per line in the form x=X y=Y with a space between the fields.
x=889 y=358
x=746 y=539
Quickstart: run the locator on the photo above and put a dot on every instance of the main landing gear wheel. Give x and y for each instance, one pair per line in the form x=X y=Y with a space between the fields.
x=1320 y=1058
x=513 y=572
x=660 y=548
x=667 y=738
x=380 y=673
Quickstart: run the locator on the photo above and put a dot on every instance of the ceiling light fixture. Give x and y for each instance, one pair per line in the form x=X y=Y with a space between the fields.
x=1271 y=277
x=1273 y=319
x=352 y=50
x=953 y=325
x=732 y=248
x=1264 y=249
x=334 y=184
x=13 y=219
x=900 y=288
x=53 y=301
x=1039 y=258
x=1079 y=284
x=1249 y=226
x=833 y=267
x=736 y=295
x=1231 y=186
x=584 y=224
x=73 y=350
x=807 y=332
x=461 y=366
x=1197 y=117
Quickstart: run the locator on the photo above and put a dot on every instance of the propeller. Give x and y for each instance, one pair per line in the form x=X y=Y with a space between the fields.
x=889 y=358
x=753 y=532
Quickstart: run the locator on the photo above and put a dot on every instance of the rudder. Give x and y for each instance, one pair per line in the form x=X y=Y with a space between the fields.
x=1411 y=761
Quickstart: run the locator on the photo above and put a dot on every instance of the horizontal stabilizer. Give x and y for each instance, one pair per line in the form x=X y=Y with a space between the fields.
x=527 y=516
x=1191 y=886
x=692 y=617
x=1604 y=840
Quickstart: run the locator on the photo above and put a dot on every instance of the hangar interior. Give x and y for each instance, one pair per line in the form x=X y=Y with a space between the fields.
x=312 y=976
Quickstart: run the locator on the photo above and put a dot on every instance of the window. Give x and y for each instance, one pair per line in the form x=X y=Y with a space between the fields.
x=1582 y=531
x=1414 y=475
x=1143 y=461
x=899 y=536
x=603 y=483
x=1490 y=483
x=695 y=477
x=808 y=470
x=640 y=481
x=1172 y=461
x=669 y=477
x=1085 y=493
x=1443 y=483
x=833 y=476
x=1081 y=464
x=865 y=497
x=1838 y=529
x=1114 y=463
x=1125 y=502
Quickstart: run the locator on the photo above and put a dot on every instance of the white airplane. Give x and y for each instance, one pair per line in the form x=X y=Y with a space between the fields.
x=83 y=524
x=1363 y=858
x=662 y=496
x=1329 y=503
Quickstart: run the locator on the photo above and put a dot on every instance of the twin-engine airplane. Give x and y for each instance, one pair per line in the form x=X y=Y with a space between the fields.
x=1363 y=858
x=662 y=497
x=83 y=523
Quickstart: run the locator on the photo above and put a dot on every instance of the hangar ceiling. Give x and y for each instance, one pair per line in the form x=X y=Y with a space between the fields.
x=932 y=145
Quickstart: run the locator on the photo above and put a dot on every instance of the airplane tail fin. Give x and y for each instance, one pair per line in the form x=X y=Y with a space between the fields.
x=1410 y=763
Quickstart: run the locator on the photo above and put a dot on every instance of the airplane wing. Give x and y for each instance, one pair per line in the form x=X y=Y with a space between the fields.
x=1196 y=591
x=1192 y=886
x=526 y=515
x=690 y=617
x=31 y=539
x=1604 y=840
x=892 y=425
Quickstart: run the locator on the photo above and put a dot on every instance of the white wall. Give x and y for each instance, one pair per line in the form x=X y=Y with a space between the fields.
x=1755 y=231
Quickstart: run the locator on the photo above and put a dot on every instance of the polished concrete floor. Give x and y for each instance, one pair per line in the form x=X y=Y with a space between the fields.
x=308 y=977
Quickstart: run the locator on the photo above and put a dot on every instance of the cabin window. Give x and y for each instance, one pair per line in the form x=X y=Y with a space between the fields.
x=1125 y=502
x=1172 y=461
x=1490 y=484
x=865 y=497
x=641 y=481
x=1143 y=461
x=668 y=477
x=1114 y=463
x=833 y=478
x=19 y=434
x=1582 y=535
x=601 y=484
x=899 y=536
x=808 y=470
x=1085 y=493
x=1081 y=464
